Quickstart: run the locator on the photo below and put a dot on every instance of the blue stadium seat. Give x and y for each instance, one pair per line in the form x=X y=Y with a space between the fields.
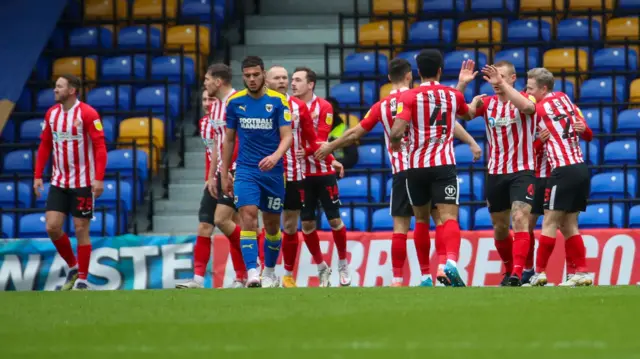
x=528 y=30
x=354 y=189
x=613 y=58
x=601 y=89
x=30 y=130
x=596 y=121
x=119 y=68
x=429 y=32
x=153 y=98
x=381 y=220
x=464 y=157
x=122 y=161
x=8 y=229
x=621 y=152
x=32 y=225
x=629 y=121
x=359 y=221
x=578 y=29
x=364 y=63
x=109 y=128
x=91 y=37
x=104 y=98
x=8 y=195
x=110 y=197
x=168 y=67
x=593 y=156
x=482 y=219
x=476 y=127
x=453 y=60
x=20 y=161
x=432 y=6
x=565 y=86
x=634 y=217
x=522 y=58
x=628 y=4
x=463 y=218
x=8 y=132
x=96 y=225
x=46 y=99
x=25 y=101
x=467 y=193
x=201 y=9
x=376 y=131
x=348 y=93
x=611 y=184
x=492 y=5
x=41 y=201
x=487 y=89
x=411 y=57
x=598 y=216
x=468 y=91
x=370 y=156
x=135 y=37
x=388 y=189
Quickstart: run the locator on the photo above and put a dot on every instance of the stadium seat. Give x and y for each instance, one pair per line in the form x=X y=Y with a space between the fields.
x=602 y=89
x=143 y=9
x=8 y=228
x=381 y=220
x=103 y=9
x=40 y=202
x=624 y=28
x=121 y=160
x=472 y=31
x=138 y=129
x=354 y=189
x=487 y=89
x=9 y=132
x=46 y=98
x=91 y=37
x=349 y=93
x=565 y=85
x=350 y=119
x=492 y=5
x=104 y=98
x=357 y=223
x=96 y=227
x=136 y=37
x=30 y=130
x=378 y=32
x=153 y=98
x=463 y=218
x=628 y=4
x=201 y=9
x=523 y=59
x=432 y=31
x=464 y=157
x=370 y=156
x=634 y=217
x=9 y=198
x=578 y=29
x=388 y=189
x=556 y=60
x=453 y=60
x=629 y=121
x=590 y=153
x=528 y=30
x=383 y=7
x=411 y=57
x=544 y=5
x=600 y=216
x=583 y=5
x=621 y=152
x=482 y=219
x=611 y=184
x=185 y=35
x=385 y=90
x=435 y=6
x=611 y=59
x=20 y=161
x=364 y=63
x=111 y=197
x=469 y=90
x=469 y=192
x=119 y=68
x=476 y=127
x=168 y=67
x=32 y=225
x=634 y=92
x=73 y=66
x=598 y=122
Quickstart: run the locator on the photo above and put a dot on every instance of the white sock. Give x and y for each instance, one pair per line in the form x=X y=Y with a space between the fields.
x=342 y=262
x=397 y=280
x=441 y=266
x=268 y=270
x=74 y=267
x=453 y=263
x=288 y=272
x=322 y=266
x=198 y=279
x=424 y=277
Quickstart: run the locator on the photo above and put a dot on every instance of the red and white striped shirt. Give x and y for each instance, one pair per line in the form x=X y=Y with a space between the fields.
x=385 y=111
x=77 y=140
x=208 y=135
x=543 y=167
x=431 y=109
x=322 y=115
x=556 y=113
x=217 y=119
x=510 y=134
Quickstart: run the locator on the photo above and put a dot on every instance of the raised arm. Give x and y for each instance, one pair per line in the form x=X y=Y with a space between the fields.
x=525 y=105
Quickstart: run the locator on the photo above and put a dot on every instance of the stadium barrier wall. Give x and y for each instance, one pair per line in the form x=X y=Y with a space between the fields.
x=155 y=262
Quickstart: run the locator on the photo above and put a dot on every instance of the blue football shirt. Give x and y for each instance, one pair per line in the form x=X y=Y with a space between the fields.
x=257 y=123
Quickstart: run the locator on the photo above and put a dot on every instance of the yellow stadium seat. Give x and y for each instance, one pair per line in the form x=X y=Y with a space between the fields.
x=582 y=5
x=153 y=9
x=381 y=7
x=137 y=128
x=623 y=28
x=472 y=31
x=185 y=35
x=378 y=32
x=73 y=66
x=634 y=93
x=103 y=9
x=385 y=90
x=556 y=60
x=351 y=121
x=544 y=5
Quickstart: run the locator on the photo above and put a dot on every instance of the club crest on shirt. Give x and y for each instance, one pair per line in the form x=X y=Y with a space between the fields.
x=97 y=124
x=329 y=119
x=268 y=107
x=77 y=122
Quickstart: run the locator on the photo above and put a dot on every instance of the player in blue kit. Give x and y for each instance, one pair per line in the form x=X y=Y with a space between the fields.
x=261 y=119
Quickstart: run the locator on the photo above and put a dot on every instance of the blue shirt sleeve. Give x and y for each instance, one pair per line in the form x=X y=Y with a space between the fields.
x=284 y=115
x=232 y=118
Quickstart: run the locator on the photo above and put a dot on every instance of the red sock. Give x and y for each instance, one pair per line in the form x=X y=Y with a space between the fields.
x=545 y=249
x=441 y=245
x=236 y=254
x=63 y=246
x=84 y=257
x=261 y=247
x=569 y=253
x=340 y=240
x=398 y=253
x=201 y=254
x=578 y=252
x=313 y=244
x=289 y=250
x=505 y=250
x=451 y=233
x=532 y=247
x=520 y=252
x=423 y=245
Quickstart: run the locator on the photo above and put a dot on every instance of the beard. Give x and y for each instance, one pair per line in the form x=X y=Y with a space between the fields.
x=260 y=87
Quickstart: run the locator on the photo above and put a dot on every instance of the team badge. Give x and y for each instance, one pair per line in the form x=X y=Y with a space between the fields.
x=268 y=107
x=77 y=122
x=329 y=119
x=287 y=114
x=97 y=124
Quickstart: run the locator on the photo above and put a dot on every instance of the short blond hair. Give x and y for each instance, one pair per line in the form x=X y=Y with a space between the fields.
x=507 y=64
x=543 y=77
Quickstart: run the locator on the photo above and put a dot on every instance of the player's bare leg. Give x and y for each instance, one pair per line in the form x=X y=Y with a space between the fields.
x=54 y=223
x=520 y=213
x=423 y=242
x=503 y=242
x=249 y=243
x=226 y=219
x=84 y=252
x=272 y=244
x=451 y=232
x=571 y=233
x=313 y=244
x=399 y=248
x=201 y=256
x=441 y=248
x=290 y=243
x=339 y=232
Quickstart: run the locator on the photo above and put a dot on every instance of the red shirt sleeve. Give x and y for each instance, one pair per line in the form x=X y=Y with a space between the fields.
x=45 y=147
x=93 y=126
x=325 y=121
x=463 y=108
x=372 y=117
x=480 y=112
x=405 y=106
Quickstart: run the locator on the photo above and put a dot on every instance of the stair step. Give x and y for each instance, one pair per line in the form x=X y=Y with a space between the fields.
x=297 y=7
x=176 y=206
x=175 y=223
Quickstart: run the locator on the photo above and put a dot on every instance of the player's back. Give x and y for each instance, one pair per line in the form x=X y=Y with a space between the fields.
x=257 y=122
x=557 y=114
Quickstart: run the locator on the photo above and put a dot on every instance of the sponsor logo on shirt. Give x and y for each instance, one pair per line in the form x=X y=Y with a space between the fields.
x=287 y=115
x=502 y=121
x=65 y=136
x=256 y=123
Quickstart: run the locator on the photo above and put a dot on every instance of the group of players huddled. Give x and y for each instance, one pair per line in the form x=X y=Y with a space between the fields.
x=267 y=151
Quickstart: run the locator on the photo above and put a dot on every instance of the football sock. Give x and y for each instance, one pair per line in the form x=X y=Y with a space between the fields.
x=451 y=234
x=340 y=240
x=272 y=249
x=63 y=246
x=249 y=247
x=545 y=249
x=84 y=257
x=289 y=250
x=520 y=252
x=441 y=247
x=423 y=245
x=201 y=254
x=398 y=253
x=505 y=250
x=313 y=244
x=236 y=254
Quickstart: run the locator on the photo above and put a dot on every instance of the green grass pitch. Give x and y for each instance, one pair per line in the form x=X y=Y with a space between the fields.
x=396 y=323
